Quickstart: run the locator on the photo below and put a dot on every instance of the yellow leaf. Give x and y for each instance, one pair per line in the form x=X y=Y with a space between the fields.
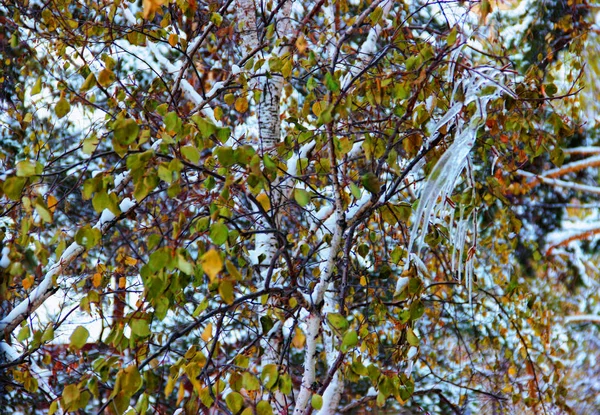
x=241 y=105
x=170 y=386
x=512 y=371
x=52 y=202
x=173 y=39
x=316 y=108
x=286 y=71
x=106 y=77
x=363 y=281
x=212 y=264
x=301 y=44
x=180 y=393
x=122 y=282
x=130 y=261
x=97 y=279
x=264 y=201
x=207 y=333
x=299 y=339
x=150 y=6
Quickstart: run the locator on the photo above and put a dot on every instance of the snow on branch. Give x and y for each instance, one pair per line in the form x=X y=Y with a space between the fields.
x=573 y=167
x=560 y=183
x=582 y=150
x=45 y=288
x=573 y=232
x=582 y=318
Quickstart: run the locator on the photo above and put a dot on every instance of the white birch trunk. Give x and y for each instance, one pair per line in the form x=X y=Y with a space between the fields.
x=269 y=135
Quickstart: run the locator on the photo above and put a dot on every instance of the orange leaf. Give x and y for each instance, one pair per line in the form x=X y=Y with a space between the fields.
x=28 y=282
x=52 y=202
x=130 y=261
x=150 y=6
x=97 y=279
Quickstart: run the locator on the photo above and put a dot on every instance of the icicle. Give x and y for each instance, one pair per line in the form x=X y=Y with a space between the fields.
x=442 y=180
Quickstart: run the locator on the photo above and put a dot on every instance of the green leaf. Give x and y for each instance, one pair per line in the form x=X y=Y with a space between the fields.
x=286 y=70
x=216 y=18
x=376 y=15
x=88 y=236
x=206 y=127
x=402 y=90
x=331 y=83
x=218 y=233
x=226 y=156
x=338 y=322
x=126 y=130
x=172 y=122
x=184 y=266
x=235 y=402
x=316 y=401
x=70 y=395
x=79 y=337
x=226 y=291
x=411 y=337
x=275 y=64
x=417 y=309
x=140 y=327
x=44 y=212
x=302 y=197
x=37 y=87
x=350 y=340
x=355 y=190
x=223 y=134
x=363 y=250
x=24 y=333
x=250 y=382
x=270 y=375
x=451 y=39
x=62 y=108
x=89 y=83
x=264 y=408
x=371 y=182
x=28 y=168
x=90 y=144
x=550 y=89
x=325 y=115
x=13 y=186
x=359 y=368
x=131 y=381
x=48 y=334
x=191 y=154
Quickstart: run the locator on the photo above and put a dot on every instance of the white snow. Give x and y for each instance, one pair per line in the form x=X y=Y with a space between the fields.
x=582 y=318
x=129 y=16
x=126 y=205
x=215 y=88
x=191 y=93
x=119 y=178
x=5 y=260
x=401 y=284
x=105 y=217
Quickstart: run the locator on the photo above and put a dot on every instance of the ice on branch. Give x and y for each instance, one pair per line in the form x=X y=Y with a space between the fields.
x=439 y=186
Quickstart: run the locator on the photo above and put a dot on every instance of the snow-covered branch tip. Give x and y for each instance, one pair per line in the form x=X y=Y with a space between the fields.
x=45 y=289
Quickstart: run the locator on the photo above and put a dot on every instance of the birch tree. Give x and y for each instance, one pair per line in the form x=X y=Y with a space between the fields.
x=282 y=207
